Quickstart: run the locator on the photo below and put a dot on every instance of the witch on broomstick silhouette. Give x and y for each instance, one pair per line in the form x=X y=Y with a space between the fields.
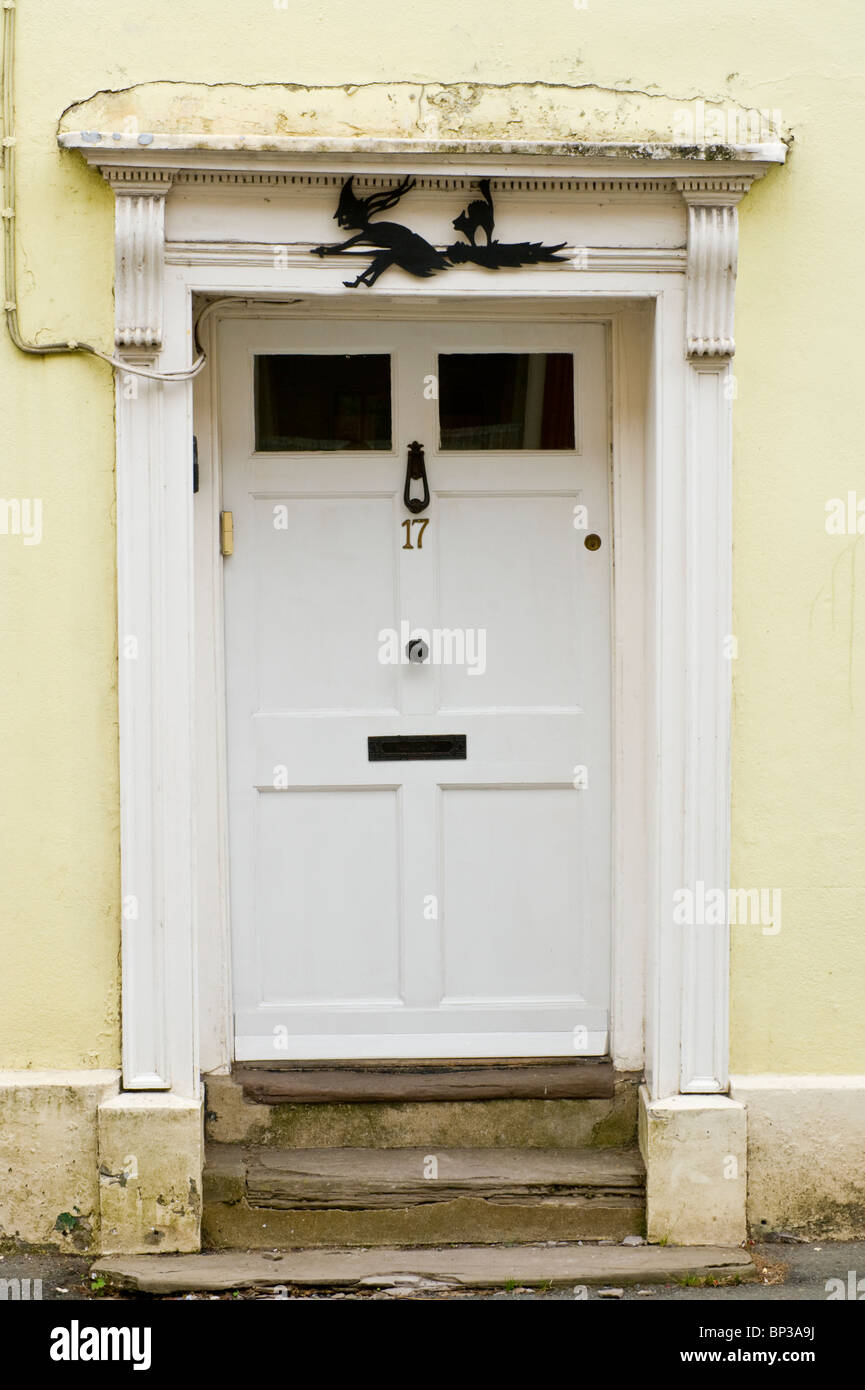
x=393 y=244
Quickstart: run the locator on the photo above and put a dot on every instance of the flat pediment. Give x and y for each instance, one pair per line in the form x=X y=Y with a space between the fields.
x=560 y=129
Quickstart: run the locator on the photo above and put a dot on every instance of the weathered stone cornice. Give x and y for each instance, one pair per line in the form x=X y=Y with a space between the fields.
x=243 y=154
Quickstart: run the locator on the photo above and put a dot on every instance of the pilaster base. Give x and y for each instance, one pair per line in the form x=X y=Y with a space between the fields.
x=151 y=1152
x=695 y=1151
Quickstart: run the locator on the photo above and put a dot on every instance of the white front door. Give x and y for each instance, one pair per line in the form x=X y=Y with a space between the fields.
x=418 y=701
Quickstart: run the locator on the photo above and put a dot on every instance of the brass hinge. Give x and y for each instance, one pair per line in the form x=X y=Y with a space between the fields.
x=226 y=533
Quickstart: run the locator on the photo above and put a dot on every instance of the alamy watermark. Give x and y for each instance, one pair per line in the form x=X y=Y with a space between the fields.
x=77 y=1343
x=845 y=517
x=20 y=1290
x=853 y=1289
x=718 y=907
x=438 y=646
x=22 y=516
x=699 y=124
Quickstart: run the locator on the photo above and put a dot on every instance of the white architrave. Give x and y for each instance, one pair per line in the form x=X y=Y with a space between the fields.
x=143 y=957
x=156 y=670
x=677 y=799
x=711 y=282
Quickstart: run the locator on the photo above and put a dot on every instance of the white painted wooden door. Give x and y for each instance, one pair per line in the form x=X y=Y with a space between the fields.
x=444 y=907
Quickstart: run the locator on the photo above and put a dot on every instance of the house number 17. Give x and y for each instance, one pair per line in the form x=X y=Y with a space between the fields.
x=423 y=523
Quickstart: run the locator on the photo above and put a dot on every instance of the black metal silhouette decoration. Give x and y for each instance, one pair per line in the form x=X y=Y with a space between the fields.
x=393 y=244
x=477 y=216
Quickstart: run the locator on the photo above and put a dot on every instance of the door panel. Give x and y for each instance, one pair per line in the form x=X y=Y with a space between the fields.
x=527 y=608
x=423 y=908
x=320 y=582
x=353 y=952
x=508 y=916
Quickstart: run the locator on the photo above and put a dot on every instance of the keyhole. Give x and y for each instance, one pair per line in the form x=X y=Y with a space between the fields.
x=417 y=650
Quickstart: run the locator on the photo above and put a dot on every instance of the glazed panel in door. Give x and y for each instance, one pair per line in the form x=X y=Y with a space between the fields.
x=432 y=906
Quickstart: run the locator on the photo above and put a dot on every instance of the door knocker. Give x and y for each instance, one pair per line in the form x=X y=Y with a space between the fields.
x=415 y=472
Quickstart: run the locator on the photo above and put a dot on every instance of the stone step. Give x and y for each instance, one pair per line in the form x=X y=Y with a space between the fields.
x=468 y=1267
x=591 y=1078
x=231 y=1117
x=271 y=1198
x=362 y=1178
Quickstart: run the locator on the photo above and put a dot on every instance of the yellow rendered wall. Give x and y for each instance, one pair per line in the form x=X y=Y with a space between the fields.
x=614 y=69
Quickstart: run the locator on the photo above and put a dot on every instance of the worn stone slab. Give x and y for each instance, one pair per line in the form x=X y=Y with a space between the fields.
x=367 y=1178
x=232 y=1118
x=563 y=1080
x=466 y=1267
x=294 y=1199
x=464 y=1221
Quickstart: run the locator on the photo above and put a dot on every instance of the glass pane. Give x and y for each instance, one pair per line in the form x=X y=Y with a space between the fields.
x=506 y=400
x=322 y=402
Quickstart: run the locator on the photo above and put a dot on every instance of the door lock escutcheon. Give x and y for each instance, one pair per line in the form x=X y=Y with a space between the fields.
x=415 y=472
x=417 y=650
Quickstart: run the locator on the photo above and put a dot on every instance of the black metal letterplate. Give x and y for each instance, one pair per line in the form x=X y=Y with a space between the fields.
x=400 y=748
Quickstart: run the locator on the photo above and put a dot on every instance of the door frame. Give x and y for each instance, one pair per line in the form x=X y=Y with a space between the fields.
x=670 y=309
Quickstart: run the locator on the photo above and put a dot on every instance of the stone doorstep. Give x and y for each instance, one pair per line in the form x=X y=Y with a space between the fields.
x=492 y=1122
x=476 y=1267
x=297 y=1199
x=294 y=1179
x=557 y=1079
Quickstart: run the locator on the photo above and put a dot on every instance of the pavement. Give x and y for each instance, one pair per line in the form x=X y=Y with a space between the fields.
x=788 y=1270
